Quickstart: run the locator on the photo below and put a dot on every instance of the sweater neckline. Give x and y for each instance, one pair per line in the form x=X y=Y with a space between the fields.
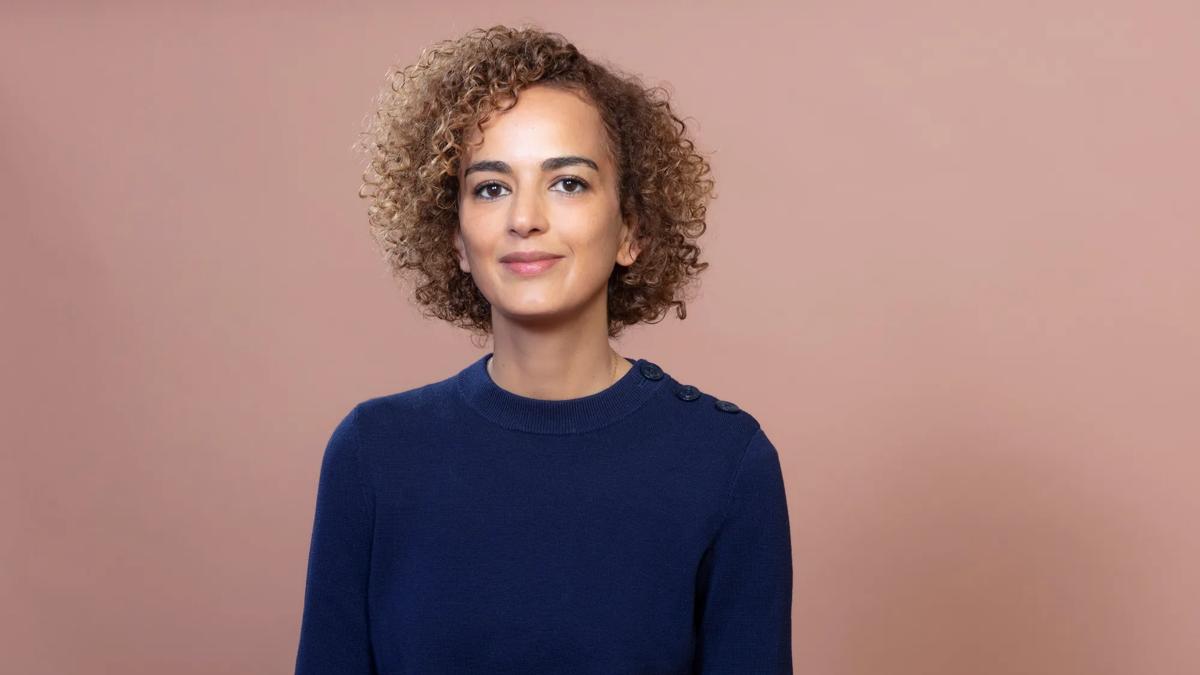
x=557 y=416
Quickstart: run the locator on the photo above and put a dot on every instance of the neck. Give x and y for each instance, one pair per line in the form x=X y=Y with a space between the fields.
x=576 y=414
x=571 y=375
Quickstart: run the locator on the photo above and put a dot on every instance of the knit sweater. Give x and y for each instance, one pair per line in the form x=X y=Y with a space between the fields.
x=462 y=528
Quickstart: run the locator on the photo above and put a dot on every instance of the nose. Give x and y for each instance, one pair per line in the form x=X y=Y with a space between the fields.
x=527 y=212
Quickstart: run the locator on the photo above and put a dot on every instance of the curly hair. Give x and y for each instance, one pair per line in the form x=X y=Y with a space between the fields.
x=415 y=140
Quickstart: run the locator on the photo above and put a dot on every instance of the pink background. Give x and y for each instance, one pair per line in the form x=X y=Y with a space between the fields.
x=955 y=273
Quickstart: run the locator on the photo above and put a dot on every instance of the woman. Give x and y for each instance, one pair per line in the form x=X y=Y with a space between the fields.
x=554 y=507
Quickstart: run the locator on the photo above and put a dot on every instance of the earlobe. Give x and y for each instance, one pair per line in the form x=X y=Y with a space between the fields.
x=629 y=250
x=460 y=252
x=629 y=253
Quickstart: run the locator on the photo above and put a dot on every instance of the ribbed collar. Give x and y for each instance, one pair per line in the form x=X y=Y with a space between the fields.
x=564 y=416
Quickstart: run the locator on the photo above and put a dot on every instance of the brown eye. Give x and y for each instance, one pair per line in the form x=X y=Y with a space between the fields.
x=572 y=185
x=489 y=191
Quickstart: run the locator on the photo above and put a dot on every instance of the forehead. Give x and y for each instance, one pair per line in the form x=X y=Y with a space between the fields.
x=546 y=121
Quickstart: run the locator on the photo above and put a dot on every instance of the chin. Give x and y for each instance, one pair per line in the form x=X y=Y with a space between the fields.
x=532 y=307
x=531 y=310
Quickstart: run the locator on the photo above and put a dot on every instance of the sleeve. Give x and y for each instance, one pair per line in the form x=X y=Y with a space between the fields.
x=334 y=632
x=744 y=581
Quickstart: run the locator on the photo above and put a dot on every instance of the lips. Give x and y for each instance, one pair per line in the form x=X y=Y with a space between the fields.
x=528 y=256
x=531 y=267
x=529 y=263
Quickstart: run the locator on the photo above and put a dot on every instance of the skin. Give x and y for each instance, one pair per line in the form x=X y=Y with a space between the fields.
x=550 y=330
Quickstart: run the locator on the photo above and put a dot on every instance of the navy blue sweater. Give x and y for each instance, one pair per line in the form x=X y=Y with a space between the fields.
x=462 y=528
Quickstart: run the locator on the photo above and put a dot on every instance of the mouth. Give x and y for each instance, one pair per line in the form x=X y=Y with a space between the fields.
x=528 y=268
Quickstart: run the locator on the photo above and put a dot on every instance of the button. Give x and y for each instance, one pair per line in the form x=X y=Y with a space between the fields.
x=651 y=371
x=728 y=406
x=687 y=392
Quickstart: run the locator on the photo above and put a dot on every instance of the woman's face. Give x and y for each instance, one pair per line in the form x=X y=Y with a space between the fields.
x=541 y=181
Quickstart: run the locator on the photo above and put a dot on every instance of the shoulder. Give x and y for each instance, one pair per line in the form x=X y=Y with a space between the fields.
x=405 y=402
x=716 y=433
x=401 y=412
x=704 y=410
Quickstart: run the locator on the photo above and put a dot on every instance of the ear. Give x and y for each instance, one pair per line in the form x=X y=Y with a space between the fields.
x=629 y=250
x=460 y=248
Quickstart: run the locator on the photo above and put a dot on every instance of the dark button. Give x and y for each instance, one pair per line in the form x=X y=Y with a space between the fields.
x=688 y=393
x=651 y=371
x=728 y=406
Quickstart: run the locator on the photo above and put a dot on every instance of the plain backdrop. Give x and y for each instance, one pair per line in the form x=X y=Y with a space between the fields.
x=955 y=273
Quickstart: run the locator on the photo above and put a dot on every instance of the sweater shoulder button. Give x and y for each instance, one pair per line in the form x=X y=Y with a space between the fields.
x=651 y=371
x=727 y=406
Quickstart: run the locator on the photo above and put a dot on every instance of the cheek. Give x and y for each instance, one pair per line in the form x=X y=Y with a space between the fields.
x=595 y=254
x=601 y=234
x=474 y=229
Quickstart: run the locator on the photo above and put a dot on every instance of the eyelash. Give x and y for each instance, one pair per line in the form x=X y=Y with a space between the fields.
x=583 y=187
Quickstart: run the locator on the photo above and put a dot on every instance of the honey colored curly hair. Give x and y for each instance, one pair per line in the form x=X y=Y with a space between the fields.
x=416 y=137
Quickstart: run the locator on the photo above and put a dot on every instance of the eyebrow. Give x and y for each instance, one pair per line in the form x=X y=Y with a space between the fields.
x=549 y=165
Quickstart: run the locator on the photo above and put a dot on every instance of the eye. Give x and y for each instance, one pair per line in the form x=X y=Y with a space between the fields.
x=573 y=185
x=488 y=191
